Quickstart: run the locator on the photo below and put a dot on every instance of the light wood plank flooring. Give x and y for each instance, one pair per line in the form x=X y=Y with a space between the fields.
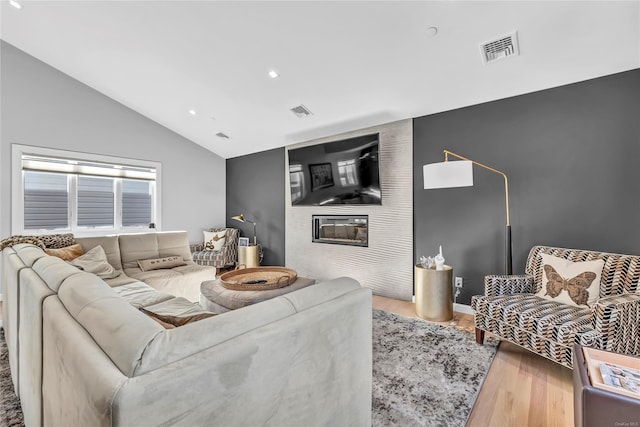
x=521 y=388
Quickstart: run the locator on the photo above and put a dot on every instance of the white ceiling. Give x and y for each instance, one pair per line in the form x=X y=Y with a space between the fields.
x=353 y=64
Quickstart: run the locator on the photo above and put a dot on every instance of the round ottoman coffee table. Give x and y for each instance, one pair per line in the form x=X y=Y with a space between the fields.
x=216 y=298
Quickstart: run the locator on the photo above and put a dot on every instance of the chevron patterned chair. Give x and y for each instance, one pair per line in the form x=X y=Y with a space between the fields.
x=511 y=310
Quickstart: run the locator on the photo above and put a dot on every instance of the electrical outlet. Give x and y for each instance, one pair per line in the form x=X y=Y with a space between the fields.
x=458 y=282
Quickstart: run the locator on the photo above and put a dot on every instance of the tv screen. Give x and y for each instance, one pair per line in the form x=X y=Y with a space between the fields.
x=336 y=173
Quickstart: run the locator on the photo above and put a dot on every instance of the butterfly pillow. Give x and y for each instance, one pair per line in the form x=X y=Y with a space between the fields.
x=568 y=282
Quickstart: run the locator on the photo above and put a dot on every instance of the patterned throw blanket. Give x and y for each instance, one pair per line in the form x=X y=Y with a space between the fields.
x=47 y=241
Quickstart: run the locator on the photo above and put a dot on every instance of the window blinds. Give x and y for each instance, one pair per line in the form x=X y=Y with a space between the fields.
x=81 y=167
x=65 y=193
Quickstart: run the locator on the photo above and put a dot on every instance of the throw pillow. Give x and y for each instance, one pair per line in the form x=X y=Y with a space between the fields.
x=170 y=322
x=214 y=241
x=57 y=241
x=67 y=254
x=159 y=263
x=95 y=261
x=571 y=283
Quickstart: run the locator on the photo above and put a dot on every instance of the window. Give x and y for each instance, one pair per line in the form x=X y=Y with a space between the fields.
x=296 y=178
x=347 y=172
x=58 y=191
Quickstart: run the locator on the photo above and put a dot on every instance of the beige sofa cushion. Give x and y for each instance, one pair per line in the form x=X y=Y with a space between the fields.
x=140 y=294
x=137 y=246
x=28 y=253
x=174 y=243
x=117 y=327
x=134 y=247
x=108 y=243
x=178 y=281
x=54 y=271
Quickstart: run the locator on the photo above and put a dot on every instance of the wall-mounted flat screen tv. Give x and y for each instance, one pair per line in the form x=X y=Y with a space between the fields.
x=341 y=172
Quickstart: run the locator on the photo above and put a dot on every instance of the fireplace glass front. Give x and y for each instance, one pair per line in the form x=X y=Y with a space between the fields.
x=341 y=229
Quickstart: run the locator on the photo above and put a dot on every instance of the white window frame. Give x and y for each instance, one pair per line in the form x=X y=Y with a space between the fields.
x=17 y=191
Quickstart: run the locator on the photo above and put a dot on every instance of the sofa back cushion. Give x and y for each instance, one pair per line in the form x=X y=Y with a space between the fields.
x=120 y=330
x=109 y=244
x=174 y=243
x=134 y=247
x=54 y=271
x=28 y=253
x=620 y=274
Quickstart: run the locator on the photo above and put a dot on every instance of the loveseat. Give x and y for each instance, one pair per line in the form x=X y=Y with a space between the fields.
x=511 y=310
x=89 y=356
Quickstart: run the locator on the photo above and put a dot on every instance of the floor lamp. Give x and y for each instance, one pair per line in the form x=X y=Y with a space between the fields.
x=460 y=174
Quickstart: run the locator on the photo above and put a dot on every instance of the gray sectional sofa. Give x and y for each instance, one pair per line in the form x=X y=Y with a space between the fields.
x=86 y=355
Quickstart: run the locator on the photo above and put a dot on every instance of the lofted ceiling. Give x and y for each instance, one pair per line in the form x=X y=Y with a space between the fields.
x=353 y=64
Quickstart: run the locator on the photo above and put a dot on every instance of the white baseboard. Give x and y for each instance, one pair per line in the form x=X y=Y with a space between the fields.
x=459 y=308
x=462 y=308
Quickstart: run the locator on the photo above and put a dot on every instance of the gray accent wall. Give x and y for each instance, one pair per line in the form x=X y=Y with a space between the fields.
x=256 y=188
x=43 y=107
x=571 y=155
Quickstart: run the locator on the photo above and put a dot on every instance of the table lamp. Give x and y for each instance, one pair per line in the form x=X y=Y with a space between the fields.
x=241 y=218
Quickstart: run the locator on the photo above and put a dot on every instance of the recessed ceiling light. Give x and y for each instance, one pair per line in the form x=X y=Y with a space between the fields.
x=273 y=74
x=192 y=112
x=431 y=31
x=15 y=4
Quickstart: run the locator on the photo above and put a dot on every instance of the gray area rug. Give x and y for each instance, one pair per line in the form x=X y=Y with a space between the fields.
x=425 y=374
x=10 y=411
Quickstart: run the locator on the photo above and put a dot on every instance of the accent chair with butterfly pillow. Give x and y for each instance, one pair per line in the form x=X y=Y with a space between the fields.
x=219 y=248
x=565 y=297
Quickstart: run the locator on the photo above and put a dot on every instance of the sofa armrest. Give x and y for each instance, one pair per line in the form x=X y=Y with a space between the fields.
x=617 y=318
x=196 y=247
x=497 y=285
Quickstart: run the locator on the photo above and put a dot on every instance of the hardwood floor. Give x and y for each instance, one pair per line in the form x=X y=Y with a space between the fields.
x=521 y=388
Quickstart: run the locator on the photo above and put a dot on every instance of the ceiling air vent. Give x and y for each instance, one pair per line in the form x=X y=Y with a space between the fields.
x=301 y=111
x=222 y=135
x=501 y=48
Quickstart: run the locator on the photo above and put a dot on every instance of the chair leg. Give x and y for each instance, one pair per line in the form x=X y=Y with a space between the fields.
x=479 y=336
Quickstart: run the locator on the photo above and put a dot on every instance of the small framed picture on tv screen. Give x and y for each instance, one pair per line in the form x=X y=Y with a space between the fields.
x=321 y=176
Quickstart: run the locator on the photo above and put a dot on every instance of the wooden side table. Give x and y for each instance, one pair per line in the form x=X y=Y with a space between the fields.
x=249 y=256
x=434 y=293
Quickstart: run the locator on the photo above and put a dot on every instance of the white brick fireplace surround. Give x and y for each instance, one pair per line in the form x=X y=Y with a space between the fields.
x=386 y=265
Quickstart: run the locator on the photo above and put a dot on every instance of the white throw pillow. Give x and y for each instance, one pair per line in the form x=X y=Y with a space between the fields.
x=568 y=282
x=95 y=261
x=214 y=240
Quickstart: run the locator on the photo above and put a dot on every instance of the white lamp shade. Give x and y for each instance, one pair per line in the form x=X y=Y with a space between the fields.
x=448 y=174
